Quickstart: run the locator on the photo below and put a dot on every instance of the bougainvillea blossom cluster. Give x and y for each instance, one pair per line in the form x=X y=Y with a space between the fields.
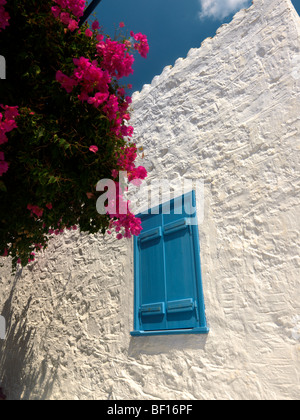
x=7 y=124
x=123 y=219
x=69 y=12
x=3 y=165
x=141 y=45
x=116 y=58
x=95 y=90
x=128 y=223
x=76 y=7
x=4 y=16
x=116 y=61
x=35 y=210
x=88 y=76
x=126 y=161
x=7 y=121
x=94 y=81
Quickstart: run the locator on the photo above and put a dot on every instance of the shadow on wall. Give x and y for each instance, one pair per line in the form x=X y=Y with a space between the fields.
x=165 y=344
x=16 y=355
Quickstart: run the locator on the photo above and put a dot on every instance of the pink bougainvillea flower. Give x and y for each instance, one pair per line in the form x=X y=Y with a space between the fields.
x=116 y=58
x=88 y=33
x=4 y=16
x=66 y=10
x=127 y=130
x=94 y=80
x=11 y=112
x=65 y=18
x=127 y=44
x=7 y=123
x=66 y=82
x=98 y=99
x=93 y=149
x=114 y=173
x=141 y=45
x=137 y=173
x=49 y=206
x=83 y=96
x=111 y=108
x=56 y=11
x=121 y=91
x=95 y=25
x=35 y=210
x=126 y=224
x=32 y=259
x=73 y=24
x=3 y=165
x=90 y=77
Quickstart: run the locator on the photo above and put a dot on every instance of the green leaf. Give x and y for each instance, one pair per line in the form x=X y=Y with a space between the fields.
x=3 y=187
x=52 y=180
x=40 y=132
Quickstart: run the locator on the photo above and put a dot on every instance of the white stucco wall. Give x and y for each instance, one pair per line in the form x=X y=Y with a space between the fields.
x=227 y=114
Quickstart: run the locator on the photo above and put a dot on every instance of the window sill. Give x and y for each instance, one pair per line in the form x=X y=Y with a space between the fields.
x=200 y=330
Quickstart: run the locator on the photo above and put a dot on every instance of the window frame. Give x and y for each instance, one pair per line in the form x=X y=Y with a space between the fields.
x=202 y=327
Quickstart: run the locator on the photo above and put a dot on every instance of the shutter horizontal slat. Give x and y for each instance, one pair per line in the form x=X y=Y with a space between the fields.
x=151 y=235
x=184 y=305
x=153 y=309
x=175 y=226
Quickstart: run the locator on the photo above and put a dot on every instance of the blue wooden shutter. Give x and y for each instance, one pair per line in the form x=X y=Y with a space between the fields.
x=180 y=276
x=168 y=287
x=152 y=309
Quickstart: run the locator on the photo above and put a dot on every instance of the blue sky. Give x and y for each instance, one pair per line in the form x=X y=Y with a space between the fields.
x=172 y=27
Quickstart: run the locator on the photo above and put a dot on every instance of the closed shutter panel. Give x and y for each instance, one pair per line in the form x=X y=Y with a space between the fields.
x=152 y=308
x=180 y=276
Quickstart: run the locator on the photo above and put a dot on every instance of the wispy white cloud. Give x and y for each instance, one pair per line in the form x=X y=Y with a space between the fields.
x=219 y=9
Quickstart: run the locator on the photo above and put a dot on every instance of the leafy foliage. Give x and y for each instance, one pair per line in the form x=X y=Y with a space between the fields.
x=53 y=169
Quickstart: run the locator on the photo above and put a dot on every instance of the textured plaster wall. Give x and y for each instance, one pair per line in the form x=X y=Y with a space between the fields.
x=227 y=114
